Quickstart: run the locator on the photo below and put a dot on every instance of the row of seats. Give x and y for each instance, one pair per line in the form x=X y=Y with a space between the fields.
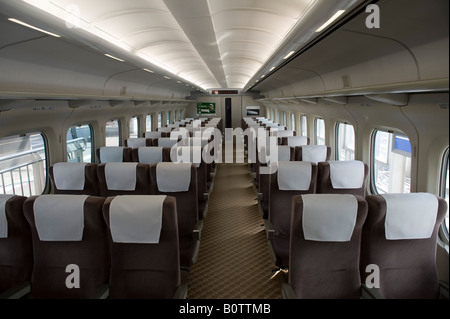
x=345 y=246
x=179 y=180
x=81 y=246
x=297 y=178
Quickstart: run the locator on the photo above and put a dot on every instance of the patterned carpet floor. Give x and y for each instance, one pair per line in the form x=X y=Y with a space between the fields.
x=233 y=261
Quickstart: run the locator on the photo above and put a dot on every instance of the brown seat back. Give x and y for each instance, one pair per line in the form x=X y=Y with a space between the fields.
x=145 y=270
x=407 y=263
x=63 y=182
x=16 y=253
x=120 y=183
x=324 y=260
x=54 y=251
x=349 y=177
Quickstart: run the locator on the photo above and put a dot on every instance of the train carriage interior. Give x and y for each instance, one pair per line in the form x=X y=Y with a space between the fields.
x=224 y=150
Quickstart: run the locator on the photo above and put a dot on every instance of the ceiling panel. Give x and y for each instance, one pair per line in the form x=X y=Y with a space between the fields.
x=211 y=43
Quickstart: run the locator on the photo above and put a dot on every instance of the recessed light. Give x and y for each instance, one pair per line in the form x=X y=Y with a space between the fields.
x=289 y=55
x=331 y=20
x=113 y=57
x=33 y=27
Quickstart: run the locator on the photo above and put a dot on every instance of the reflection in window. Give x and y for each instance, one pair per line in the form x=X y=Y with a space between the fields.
x=112 y=133
x=23 y=165
x=79 y=144
x=345 y=135
x=392 y=163
x=320 y=131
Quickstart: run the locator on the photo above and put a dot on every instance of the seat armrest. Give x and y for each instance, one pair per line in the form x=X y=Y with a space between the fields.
x=102 y=292
x=270 y=230
x=370 y=293
x=197 y=232
x=287 y=291
x=205 y=197
x=260 y=196
x=443 y=290
x=17 y=292
x=181 y=292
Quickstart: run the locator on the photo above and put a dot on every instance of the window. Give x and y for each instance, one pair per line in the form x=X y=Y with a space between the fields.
x=319 y=129
x=23 y=164
x=148 y=123
x=345 y=141
x=159 y=119
x=79 y=144
x=168 y=118
x=444 y=186
x=303 y=125
x=272 y=116
x=180 y=115
x=134 y=127
x=293 y=121
x=113 y=133
x=284 y=122
x=391 y=163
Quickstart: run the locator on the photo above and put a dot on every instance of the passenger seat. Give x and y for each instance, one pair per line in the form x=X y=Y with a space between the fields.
x=71 y=255
x=325 y=247
x=16 y=252
x=145 y=258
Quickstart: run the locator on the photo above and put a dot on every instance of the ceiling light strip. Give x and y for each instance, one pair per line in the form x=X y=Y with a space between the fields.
x=331 y=20
x=33 y=27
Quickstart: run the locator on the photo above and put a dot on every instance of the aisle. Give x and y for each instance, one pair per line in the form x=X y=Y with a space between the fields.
x=233 y=261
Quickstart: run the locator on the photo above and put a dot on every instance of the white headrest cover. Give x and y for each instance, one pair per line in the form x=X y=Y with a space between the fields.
x=166 y=142
x=121 y=176
x=294 y=141
x=329 y=217
x=284 y=153
x=314 y=153
x=152 y=134
x=3 y=219
x=286 y=133
x=136 y=142
x=346 y=174
x=69 y=176
x=410 y=216
x=110 y=154
x=189 y=154
x=165 y=129
x=294 y=176
x=173 y=177
x=136 y=219
x=150 y=155
x=59 y=217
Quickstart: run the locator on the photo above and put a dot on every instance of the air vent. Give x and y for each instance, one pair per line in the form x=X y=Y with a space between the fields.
x=346 y=81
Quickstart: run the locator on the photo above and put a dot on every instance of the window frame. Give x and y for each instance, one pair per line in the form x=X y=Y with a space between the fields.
x=91 y=129
x=373 y=187
x=137 y=117
x=316 y=131
x=442 y=191
x=337 y=141
x=46 y=186
x=119 y=124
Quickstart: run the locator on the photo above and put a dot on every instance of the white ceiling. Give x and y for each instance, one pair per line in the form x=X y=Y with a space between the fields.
x=211 y=43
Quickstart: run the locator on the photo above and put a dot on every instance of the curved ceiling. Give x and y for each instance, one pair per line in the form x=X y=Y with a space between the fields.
x=211 y=43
